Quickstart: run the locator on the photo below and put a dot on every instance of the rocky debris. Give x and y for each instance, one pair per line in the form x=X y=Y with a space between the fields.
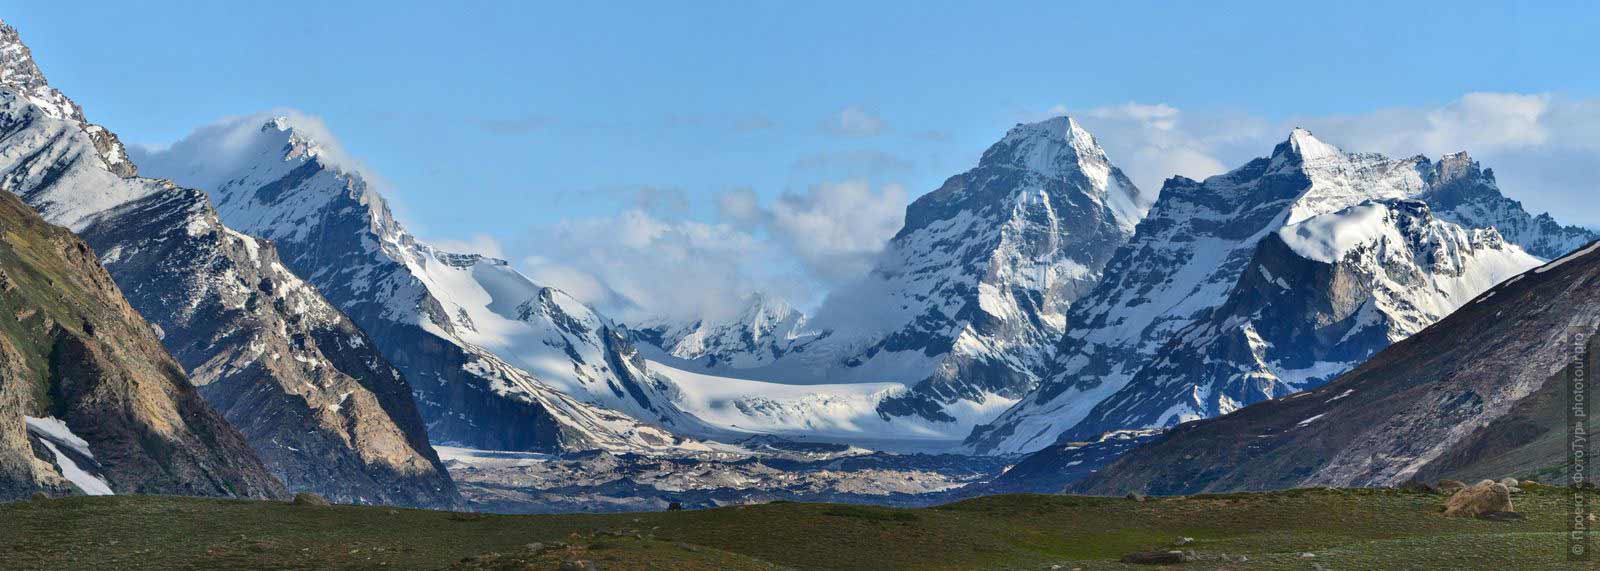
x=1135 y=496
x=1451 y=486
x=577 y=565
x=309 y=499
x=609 y=482
x=1483 y=498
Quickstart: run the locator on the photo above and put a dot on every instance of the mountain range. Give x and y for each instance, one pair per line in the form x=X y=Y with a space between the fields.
x=963 y=309
x=1270 y=279
x=312 y=397
x=241 y=314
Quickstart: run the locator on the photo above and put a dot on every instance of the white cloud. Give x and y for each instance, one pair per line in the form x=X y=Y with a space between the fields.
x=1478 y=122
x=741 y=207
x=641 y=264
x=636 y=265
x=854 y=122
x=837 y=230
x=1153 y=142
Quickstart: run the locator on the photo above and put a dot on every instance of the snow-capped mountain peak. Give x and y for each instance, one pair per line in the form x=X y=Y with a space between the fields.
x=1332 y=180
x=19 y=73
x=1309 y=148
x=498 y=361
x=1059 y=148
x=764 y=328
x=1271 y=278
x=968 y=299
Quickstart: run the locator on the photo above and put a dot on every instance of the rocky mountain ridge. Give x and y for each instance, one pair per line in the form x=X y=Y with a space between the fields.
x=1479 y=393
x=90 y=403
x=495 y=361
x=314 y=400
x=1269 y=279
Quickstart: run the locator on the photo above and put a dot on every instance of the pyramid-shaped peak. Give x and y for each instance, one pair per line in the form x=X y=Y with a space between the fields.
x=1062 y=129
x=1309 y=147
x=1049 y=147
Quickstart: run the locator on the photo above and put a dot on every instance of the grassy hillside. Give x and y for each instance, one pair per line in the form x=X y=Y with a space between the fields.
x=1342 y=529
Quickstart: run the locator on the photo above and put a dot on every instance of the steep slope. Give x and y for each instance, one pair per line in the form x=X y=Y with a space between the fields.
x=967 y=301
x=1318 y=298
x=1470 y=391
x=1212 y=306
x=981 y=276
x=89 y=400
x=319 y=405
x=495 y=360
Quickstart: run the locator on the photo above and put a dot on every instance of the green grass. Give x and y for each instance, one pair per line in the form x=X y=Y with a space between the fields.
x=1343 y=529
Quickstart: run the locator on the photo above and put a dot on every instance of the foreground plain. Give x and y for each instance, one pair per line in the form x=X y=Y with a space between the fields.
x=1339 y=529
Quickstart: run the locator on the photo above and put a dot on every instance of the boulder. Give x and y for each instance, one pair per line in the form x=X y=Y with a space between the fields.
x=1501 y=516
x=1451 y=486
x=1418 y=487
x=1154 y=558
x=1485 y=497
x=1136 y=496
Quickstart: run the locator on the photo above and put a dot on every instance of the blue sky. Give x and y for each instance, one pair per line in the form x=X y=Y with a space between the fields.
x=507 y=120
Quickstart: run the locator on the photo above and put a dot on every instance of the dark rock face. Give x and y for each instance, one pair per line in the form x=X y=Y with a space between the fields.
x=319 y=404
x=322 y=407
x=75 y=353
x=1442 y=402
